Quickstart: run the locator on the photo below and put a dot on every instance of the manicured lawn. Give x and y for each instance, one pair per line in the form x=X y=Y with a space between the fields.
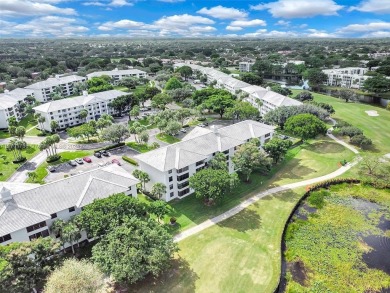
x=139 y=89
x=241 y=254
x=65 y=157
x=310 y=160
x=167 y=138
x=144 y=121
x=33 y=132
x=7 y=168
x=375 y=128
x=121 y=88
x=4 y=134
x=141 y=148
x=330 y=244
x=28 y=122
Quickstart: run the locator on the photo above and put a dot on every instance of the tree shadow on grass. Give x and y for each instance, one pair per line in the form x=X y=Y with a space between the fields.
x=298 y=171
x=246 y=220
x=180 y=277
x=325 y=147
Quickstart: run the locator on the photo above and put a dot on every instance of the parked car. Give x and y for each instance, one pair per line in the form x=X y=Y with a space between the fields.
x=115 y=161
x=284 y=137
x=105 y=153
x=97 y=154
x=201 y=125
x=51 y=169
x=206 y=124
x=87 y=159
x=72 y=163
x=183 y=130
x=79 y=161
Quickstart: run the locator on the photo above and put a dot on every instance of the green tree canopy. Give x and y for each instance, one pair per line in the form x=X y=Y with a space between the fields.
x=172 y=84
x=219 y=103
x=377 y=84
x=277 y=148
x=185 y=71
x=305 y=126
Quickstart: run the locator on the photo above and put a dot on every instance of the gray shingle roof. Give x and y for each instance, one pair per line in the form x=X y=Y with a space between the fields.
x=35 y=205
x=115 y=72
x=201 y=145
x=54 y=81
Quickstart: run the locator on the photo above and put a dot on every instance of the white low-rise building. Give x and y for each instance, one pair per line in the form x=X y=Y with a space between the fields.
x=268 y=99
x=174 y=164
x=43 y=89
x=117 y=75
x=349 y=77
x=67 y=111
x=28 y=210
x=245 y=66
x=11 y=104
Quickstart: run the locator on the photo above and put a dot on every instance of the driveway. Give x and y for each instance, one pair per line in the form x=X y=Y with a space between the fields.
x=66 y=169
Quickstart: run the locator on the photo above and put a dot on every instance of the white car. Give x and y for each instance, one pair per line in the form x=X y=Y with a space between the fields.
x=183 y=130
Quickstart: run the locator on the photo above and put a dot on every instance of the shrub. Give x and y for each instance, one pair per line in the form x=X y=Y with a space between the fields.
x=201 y=118
x=316 y=199
x=350 y=131
x=130 y=160
x=342 y=123
x=304 y=96
x=19 y=160
x=111 y=147
x=361 y=140
x=53 y=158
x=173 y=220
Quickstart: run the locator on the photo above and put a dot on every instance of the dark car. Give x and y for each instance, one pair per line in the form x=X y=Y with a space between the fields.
x=98 y=154
x=87 y=159
x=51 y=169
x=105 y=153
x=72 y=163
x=206 y=124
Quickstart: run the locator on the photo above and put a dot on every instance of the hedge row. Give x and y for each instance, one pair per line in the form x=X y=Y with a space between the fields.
x=130 y=160
x=110 y=147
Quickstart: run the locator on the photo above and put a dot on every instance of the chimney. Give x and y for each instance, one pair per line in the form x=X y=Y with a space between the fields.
x=5 y=194
x=85 y=93
x=214 y=129
x=268 y=88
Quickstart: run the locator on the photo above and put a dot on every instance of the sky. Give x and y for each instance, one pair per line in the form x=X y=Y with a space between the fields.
x=190 y=19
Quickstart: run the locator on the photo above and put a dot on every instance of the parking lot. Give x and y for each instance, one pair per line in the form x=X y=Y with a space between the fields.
x=66 y=169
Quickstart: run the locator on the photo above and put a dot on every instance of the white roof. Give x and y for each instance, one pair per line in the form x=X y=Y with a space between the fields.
x=202 y=144
x=55 y=81
x=33 y=205
x=115 y=72
x=79 y=101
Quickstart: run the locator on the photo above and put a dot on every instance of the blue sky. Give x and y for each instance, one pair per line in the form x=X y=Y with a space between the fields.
x=185 y=18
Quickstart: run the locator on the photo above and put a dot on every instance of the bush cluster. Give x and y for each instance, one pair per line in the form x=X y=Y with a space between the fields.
x=130 y=160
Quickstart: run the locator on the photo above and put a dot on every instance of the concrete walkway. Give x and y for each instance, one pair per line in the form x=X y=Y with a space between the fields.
x=255 y=198
x=21 y=174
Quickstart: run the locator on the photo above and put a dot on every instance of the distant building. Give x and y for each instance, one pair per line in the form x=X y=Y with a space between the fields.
x=245 y=66
x=67 y=111
x=349 y=77
x=118 y=75
x=43 y=89
x=28 y=210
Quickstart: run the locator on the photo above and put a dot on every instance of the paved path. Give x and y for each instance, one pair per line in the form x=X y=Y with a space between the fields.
x=255 y=198
x=21 y=174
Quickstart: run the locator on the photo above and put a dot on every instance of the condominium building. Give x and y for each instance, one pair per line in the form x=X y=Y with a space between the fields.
x=44 y=89
x=67 y=111
x=262 y=98
x=245 y=66
x=28 y=210
x=117 y=75
x=350 y=77
x=174 y=164
x=11 y=104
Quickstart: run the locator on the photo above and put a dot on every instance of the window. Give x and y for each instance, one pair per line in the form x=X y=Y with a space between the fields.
x=170 y=179
x=72 y=209
x=268 y=135
x=172 y=194
x=183 y=177
x=36 y=226
x=43 y=233
x=199 y=163
x=170 y=172
x=53 y=216
x=171 y=186
x=182 y=185
x=184 y=192
x=5 y=238
x=182 y=170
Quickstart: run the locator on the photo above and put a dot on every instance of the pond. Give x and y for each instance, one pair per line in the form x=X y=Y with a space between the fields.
x=338 y=240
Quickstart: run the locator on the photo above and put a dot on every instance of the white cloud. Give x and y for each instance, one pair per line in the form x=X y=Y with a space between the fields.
x=221 y=12
x=365 y=27
x=31 y=8
x=263 y=33
x=113 y=3
x=248 y=23
x=51 y=26
x=377 y=34
x=233 y=28
x=283 y=23
x=181 y=21
x=374 y=6
x=202 y=29
x=314 y=33
x=303 y=25
x=121 y=24
x=299 y=8
x=171 y=1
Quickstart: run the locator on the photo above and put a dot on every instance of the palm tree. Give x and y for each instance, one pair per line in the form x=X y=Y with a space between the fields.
x=11 y=147
x=158 y=189
x=83 y=114
x=20 y=131
x=71 y=233
x=54 y=125
x=56 y=227
x=19 y=146
x=32 y=175
x=41 y=120
x=12 y=121
x=44 y=146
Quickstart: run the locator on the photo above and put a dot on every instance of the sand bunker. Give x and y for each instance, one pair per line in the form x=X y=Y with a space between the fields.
x=372 y=113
